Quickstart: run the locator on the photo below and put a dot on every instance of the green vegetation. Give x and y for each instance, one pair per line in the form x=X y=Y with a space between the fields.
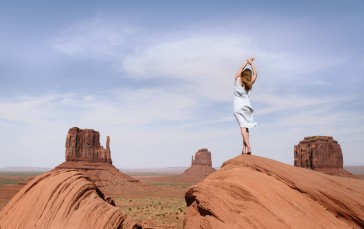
x=20 y=174
x=9 y=181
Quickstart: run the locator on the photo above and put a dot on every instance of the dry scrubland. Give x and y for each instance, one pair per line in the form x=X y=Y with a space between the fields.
x=163 y=210
x=11 y=183
x=154 y=212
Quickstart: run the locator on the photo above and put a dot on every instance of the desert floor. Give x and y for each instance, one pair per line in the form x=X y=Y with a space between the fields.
x=164 y=209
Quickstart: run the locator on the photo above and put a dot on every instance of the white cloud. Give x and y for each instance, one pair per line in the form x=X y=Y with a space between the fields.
x=271 y=102
x=188 y=57
x=208 y=62
x=27 y=109
x=141 y=107
x=204 y=63
x=95 y=37
x=138 y=107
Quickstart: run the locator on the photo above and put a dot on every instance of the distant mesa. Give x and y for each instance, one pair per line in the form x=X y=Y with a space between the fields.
x=320 y=153
x=256 y=192
x=62 y=199
x=202 y=157
x=201 y=165
x=84 y=153
x=317 y=152
x=84 y=145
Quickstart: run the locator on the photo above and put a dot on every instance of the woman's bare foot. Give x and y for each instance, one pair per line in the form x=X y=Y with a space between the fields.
x=249 y=150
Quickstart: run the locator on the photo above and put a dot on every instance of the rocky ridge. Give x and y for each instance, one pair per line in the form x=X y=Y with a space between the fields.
x=255 y=192
x=62 y=199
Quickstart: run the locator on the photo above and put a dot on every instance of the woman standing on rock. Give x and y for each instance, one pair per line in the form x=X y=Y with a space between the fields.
x=243 y=110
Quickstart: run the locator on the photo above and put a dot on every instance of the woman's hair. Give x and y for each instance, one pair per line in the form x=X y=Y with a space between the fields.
x=246 y=79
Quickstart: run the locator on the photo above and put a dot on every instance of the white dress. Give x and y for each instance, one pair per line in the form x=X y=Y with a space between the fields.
x=243 y=110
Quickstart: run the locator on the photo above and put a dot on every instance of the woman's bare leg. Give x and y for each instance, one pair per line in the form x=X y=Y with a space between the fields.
x=244 y=145
x=248 y=149
x=245 y=134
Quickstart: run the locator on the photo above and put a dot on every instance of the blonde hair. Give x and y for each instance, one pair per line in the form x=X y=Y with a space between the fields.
x=246 y=79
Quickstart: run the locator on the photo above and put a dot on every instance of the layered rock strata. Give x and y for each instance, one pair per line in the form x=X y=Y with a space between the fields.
x=255 y=192
x=62 y=199
x=320 y=153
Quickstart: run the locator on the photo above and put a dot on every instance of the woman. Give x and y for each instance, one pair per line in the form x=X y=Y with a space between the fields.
x=243 y=110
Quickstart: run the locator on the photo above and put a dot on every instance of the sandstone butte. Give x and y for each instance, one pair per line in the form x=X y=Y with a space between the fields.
x=62 y=199
x=256 y=192
x=85 y=153
x=84 y=145
x=320 y=153
x=201 y=165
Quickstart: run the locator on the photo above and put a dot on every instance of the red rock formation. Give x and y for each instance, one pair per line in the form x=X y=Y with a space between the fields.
x=201 y=166
x=202 y=157
x=320 y=153
x=255 y=192
x=84 y=153
x=84 y=145
x=62 y=199
x=108 y=178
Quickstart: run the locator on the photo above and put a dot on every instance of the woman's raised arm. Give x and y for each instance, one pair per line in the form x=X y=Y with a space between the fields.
x=248 y=61
x=254 y=75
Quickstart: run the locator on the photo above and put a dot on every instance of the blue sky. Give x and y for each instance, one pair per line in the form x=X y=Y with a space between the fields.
x=157 y=77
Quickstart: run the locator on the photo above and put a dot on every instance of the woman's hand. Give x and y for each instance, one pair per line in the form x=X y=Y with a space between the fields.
x=250 y=60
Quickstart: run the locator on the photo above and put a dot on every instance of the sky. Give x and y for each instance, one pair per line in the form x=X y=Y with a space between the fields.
x=157 y=77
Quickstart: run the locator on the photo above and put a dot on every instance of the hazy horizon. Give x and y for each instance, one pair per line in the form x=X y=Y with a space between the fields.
x=157 y=77
x=146 y=169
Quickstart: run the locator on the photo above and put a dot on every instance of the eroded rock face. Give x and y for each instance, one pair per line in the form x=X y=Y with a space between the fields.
x=84 y=145
x=255 y=192
x=108 y=178
x=201 y=166
x=318 y=152
x=62 y=199
x=202 y=157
